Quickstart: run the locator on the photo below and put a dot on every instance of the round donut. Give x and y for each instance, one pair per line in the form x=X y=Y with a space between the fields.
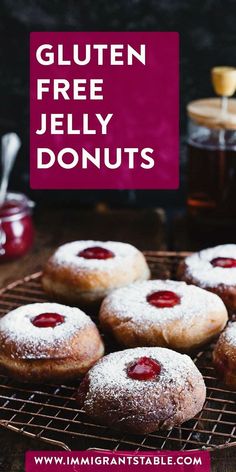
x=213 y=269
x=48 y=342
x=224 y=355
x=163 y=313
x=84 y=272
x=143 y=389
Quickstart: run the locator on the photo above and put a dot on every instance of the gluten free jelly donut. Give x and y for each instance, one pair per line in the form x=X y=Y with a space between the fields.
x=143 y=389
x=224 y=355
x=213 y=269
x=162 y=313
x=84 y=272
x=48 y=342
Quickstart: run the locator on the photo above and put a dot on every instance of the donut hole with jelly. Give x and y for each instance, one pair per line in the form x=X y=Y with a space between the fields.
x=48 y=320
x=163 y=299
x=144 y=368
x=224 y=262
x=96 y=252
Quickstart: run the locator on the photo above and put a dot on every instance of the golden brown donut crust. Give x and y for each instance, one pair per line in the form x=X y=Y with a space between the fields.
x=226 y=292
x=181 y=331
x=224 y=356
x=199 y=269
x=140 y=407
x=60 y=361
x=85 y=285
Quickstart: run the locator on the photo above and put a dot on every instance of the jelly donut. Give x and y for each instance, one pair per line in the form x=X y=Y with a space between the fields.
x=48 y=342
x=143 y=389
x=224 y=355
x=213 y=269
x=84 y=272
x=163 y=313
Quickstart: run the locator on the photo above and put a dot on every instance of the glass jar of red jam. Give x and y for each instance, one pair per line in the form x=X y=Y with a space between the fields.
x=16 y=226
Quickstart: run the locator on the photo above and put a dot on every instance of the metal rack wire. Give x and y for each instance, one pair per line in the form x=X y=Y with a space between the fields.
x=50 y=412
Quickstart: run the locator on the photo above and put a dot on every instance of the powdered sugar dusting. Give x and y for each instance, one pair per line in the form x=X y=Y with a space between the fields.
x=67 y=255
x=110 y=373
x=16 y=326
x=230 y=334
x=200 y=268
x=130 y=302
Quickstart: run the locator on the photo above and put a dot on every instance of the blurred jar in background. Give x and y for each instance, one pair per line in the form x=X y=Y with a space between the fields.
x=212 y=159
x=16 y=227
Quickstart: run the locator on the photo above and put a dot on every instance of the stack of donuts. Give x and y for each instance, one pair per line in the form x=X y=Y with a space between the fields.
x=150 y=382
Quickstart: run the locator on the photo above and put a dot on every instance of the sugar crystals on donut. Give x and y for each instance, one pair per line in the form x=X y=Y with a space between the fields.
x=84 y=272
x=213 y=269
x=162 y=313
x=174 y=393
x=224 y=355
x=48 y=342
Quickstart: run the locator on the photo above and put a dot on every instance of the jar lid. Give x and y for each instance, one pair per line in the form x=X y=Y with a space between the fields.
x=15 y=204
x=207 y=112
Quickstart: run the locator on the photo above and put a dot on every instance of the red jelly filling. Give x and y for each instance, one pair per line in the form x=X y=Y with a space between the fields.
x=224 y=262
x=48 y=320
x=163 y=299
x=144 y=368
x=96 y=252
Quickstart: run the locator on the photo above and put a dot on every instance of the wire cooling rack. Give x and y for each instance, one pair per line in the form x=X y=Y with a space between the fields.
x=50 y=412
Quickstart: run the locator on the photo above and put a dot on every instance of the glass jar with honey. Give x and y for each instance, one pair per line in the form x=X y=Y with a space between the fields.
x=212 y=151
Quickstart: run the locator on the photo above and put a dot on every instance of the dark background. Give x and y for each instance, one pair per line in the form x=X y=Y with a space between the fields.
x=208 y=37
x=207 y=34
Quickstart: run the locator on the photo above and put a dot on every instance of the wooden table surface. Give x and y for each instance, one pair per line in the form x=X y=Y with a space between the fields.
x=145 y=229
